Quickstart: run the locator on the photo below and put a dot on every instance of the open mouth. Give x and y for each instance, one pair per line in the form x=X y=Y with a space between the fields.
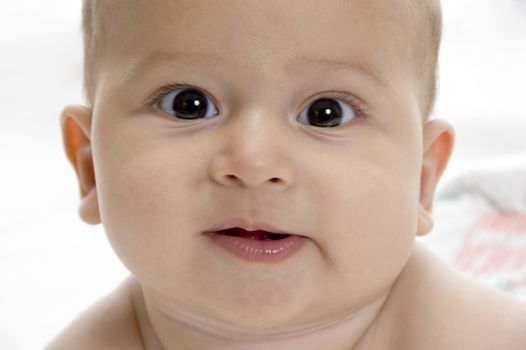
x=254 y=235
x=258 y=245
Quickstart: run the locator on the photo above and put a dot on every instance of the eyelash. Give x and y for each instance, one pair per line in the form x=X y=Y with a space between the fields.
x=356 y=105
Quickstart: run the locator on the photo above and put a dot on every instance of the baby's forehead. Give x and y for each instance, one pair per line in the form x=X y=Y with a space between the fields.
x=399 y=13
x=131 y=21
x=368 y=30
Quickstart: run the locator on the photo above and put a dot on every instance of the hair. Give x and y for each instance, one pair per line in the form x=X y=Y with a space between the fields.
x=90 y=44
x=424 y=32
x=427 y=36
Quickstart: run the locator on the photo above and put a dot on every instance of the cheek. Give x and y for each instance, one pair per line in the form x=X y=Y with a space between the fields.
x=373 y=222
x=146 y=203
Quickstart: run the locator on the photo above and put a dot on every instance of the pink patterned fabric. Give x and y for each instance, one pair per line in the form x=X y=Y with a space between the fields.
x=494 y=249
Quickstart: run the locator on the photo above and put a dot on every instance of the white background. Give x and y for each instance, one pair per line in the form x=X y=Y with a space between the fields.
x=52 y=265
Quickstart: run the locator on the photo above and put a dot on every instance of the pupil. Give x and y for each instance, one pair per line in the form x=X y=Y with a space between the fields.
x=325 y=112
x=190 y=104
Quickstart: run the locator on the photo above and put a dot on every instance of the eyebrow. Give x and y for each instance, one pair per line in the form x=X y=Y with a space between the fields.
x=354 y=67
x=161 y=58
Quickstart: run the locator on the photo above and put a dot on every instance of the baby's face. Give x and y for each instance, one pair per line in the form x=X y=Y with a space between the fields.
x=298 y=115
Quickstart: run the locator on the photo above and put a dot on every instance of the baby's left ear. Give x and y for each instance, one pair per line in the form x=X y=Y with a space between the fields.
x=439 y=138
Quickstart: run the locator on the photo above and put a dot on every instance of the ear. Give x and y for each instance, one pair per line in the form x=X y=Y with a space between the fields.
x=75 y=122
x=439 y=138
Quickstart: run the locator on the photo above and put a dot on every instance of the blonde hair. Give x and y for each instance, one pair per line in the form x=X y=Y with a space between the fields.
x=424 y=31
x=91 y=39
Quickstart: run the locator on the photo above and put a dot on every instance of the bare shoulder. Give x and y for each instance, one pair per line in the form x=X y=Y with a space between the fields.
x=457 y=312
x=108 y=324
x=491 y=318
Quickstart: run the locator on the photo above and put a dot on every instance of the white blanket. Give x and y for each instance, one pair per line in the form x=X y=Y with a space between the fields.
x=481 y=224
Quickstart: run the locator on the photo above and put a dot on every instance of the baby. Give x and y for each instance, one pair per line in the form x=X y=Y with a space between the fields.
x=262 y=168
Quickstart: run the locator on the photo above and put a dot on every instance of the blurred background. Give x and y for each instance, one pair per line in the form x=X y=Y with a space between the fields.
x=52 y=265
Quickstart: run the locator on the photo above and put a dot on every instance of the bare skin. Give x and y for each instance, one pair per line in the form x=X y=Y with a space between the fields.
x=358 y=192
x=447 y=311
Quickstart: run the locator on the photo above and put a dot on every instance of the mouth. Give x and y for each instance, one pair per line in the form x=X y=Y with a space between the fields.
x=259 y=235
x=257 y=245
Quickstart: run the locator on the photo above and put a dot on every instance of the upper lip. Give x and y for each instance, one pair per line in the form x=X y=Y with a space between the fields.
x=247 y=226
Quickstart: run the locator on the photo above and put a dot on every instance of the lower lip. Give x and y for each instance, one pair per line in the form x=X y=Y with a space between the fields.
x=264 y=251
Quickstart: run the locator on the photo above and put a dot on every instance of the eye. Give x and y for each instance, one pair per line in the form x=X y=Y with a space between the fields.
x=330 y=112
x=187 y=103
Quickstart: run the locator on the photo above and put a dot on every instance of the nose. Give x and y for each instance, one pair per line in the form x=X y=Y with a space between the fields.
x=254 y=153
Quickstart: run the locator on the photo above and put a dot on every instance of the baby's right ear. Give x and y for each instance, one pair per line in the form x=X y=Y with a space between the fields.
x=75 y=122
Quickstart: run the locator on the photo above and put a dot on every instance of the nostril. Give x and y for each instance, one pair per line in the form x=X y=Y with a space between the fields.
x=275 y=180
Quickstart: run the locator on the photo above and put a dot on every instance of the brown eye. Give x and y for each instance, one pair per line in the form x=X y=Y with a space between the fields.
x=187 y=103
x=327 y=113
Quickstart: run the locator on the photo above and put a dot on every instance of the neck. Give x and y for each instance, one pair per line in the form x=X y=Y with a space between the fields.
x=164 y=329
